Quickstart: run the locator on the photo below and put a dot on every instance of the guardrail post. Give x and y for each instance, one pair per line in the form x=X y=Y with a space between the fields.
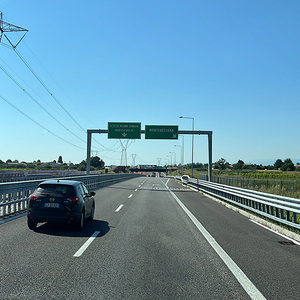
x=288 y=215
x=294 y=217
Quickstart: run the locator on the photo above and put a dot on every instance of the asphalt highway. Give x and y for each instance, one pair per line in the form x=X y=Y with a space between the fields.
x=152 y=238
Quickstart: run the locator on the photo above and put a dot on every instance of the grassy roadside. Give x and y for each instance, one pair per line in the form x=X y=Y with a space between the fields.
x=276 y=177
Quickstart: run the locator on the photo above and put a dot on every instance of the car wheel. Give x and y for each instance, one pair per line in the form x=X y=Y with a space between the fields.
x=91 y=217
x=31 y=224
x=80 y=223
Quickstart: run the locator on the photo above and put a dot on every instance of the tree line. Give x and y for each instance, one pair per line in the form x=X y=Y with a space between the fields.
x=96 y=164
x=286 y=165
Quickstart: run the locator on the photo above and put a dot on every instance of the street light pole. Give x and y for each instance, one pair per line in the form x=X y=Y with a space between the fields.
x=181 y=164
x=192 y=141
x=181 y=152
x=174 y=157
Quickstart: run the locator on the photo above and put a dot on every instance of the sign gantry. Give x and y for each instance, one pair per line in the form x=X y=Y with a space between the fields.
x=133 y=131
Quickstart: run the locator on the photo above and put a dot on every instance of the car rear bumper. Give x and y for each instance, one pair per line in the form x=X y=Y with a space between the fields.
x=58 y=217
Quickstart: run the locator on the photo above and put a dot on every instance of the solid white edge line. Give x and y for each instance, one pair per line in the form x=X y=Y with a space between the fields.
x=276 y=232
x=86 y=244
x=245 y=282
x=118 y=209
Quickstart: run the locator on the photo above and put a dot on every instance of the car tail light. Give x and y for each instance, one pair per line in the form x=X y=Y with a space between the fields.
x=33 y=197
x=73 y=199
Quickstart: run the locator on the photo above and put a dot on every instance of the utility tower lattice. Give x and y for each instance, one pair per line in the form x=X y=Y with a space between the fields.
x=124 y=153
x=158 y=159
x=94 y=152
x=133 y=160
x=7 y=27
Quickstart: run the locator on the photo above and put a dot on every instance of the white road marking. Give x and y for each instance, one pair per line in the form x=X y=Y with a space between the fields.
x=130 y=196
x=245 y=282
x=118 y=209
x=86 y=244
x=288 y=238
x=135 y=190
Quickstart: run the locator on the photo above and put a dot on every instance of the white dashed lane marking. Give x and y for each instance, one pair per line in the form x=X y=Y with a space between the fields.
x=118 y=209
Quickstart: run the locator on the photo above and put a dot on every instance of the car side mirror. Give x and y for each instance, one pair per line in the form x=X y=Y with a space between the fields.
x=92 y=193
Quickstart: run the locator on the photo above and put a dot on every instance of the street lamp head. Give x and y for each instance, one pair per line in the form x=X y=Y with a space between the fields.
x=182 y=117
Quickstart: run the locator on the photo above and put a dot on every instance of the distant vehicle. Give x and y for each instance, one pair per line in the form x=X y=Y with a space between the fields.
x=61 y=201
x=185 y=179
x=153 y=174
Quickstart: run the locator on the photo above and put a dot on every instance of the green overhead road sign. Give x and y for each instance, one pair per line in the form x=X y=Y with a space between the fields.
x=124 y=130
x=161 y=132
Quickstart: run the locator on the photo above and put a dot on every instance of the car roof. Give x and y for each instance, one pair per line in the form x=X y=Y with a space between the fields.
x=62 y=182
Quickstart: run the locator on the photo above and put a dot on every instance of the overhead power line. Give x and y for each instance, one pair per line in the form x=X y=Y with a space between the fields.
x=45 y=102
x=7 y=27
x=51 y=94
x=46 y=88
x=34 y=121
x=81 y=111
x=32 y=98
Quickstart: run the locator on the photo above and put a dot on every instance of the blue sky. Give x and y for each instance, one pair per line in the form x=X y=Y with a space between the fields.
x=231 y=65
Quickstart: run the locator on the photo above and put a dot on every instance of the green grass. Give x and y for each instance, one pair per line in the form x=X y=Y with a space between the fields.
x=261 y=175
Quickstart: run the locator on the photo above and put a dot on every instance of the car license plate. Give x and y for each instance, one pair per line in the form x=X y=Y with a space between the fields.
x=52 y=205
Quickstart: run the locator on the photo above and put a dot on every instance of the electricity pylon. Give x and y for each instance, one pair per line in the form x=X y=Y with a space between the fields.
x=159 y=159
x=133 y=160
x=7 y=27
x=124 y=153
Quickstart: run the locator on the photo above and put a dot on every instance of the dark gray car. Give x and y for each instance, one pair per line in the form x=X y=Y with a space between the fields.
x=60 y=201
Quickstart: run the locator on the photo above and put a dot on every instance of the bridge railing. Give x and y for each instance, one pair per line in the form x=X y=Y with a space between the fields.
x=281 y=209
x=14 y=195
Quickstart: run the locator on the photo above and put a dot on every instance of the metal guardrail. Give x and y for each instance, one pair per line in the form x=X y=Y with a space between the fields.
x=281 y=209
x=14 y=195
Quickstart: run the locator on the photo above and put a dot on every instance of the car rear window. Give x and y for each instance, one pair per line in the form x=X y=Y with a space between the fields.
x=63 y=190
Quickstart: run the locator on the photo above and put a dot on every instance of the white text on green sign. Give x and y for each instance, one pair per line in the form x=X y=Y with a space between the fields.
x=161 y=132
x=124 y=130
